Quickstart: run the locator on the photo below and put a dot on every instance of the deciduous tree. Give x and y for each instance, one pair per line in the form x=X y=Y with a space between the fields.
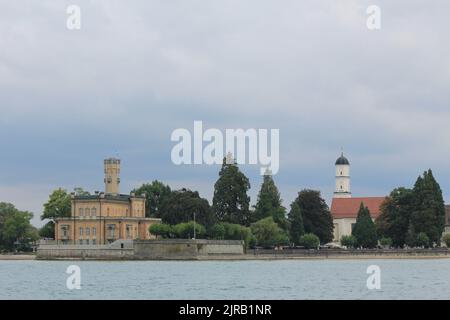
x=155 y=194
x=181 y=205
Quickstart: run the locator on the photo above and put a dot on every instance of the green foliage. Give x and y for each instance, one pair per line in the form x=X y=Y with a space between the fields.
x=181 y=205
x=15 y=227
x=406 y=213
x=393 y=222
x=349 y=241
x=422 y=240
x=162 y=230
x=218 y=231
x=386 y=242
x=48 y=230
x=185 y=230
x=80 y=192
x=155 y=194
x=428 y=215
x=230 y=201
x=269 y=203
x=364 y=229
x=268 y=234
x=58 y=205
x=230 y=231
x=295 y=219
x=310 y=241
x=447 y=240
x=316 y=215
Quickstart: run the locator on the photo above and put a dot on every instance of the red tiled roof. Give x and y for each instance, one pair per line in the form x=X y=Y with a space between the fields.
x=349 y=207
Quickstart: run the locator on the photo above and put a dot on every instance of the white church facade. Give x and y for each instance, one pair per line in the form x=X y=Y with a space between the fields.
x=344 y=207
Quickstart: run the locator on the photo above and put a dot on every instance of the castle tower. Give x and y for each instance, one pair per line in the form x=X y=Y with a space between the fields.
x=112 y=176
x=342 y=178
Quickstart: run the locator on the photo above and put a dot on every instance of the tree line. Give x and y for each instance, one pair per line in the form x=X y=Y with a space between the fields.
x=229 y=217
x=409 y=217
x=268 y=223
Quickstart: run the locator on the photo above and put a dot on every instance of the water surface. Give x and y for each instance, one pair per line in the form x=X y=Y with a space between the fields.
x=281 y=279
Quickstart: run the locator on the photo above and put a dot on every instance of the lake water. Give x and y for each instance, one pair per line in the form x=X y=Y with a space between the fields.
x=282 y=279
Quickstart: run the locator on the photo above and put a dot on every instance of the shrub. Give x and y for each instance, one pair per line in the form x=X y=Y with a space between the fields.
x=185 y=230
x=447 y=240
x=162 y=230
x=348 y=241
x=386 y=242
x=217 y=231
x=309 y=241
x=232 y=231
x=422 y=240
x=268 y=234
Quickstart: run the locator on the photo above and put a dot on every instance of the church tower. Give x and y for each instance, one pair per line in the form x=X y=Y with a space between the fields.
x=342 y=178
x=112 y=176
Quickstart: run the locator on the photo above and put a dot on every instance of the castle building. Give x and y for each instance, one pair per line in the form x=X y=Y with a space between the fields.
x=105 y=216
x=344 y=207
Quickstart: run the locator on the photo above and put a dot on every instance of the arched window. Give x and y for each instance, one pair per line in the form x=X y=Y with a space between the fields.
x=88 y=231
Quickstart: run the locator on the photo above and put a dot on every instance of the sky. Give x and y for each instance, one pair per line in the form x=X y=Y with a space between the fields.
x=137 y=70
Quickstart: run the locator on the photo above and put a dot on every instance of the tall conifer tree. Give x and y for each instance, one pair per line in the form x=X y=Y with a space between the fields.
x=230 y=201
x=295 y=219
x=428 y=213
x=364 y=229
x=269 y=203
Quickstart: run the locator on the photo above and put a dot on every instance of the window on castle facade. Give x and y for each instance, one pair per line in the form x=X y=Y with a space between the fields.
x=111 y=228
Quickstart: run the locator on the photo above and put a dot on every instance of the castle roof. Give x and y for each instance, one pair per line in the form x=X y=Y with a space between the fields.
x=116 y=197
x=349 y=207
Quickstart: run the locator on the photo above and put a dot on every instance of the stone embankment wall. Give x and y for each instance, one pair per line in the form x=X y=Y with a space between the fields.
x=186 y=249
x=170 y=249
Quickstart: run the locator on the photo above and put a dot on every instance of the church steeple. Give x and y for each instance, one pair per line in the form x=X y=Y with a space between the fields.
x=342 y=177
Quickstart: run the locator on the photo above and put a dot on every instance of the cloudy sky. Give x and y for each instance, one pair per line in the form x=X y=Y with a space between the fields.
x=137 y=70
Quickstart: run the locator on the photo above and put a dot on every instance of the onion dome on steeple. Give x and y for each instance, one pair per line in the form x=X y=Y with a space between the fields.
x=342 y=160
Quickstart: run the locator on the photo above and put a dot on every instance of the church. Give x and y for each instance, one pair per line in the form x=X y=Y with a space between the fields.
x=345 y=207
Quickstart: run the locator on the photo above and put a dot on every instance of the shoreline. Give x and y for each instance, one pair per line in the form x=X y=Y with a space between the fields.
x=251 y=257
x=17 y=257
